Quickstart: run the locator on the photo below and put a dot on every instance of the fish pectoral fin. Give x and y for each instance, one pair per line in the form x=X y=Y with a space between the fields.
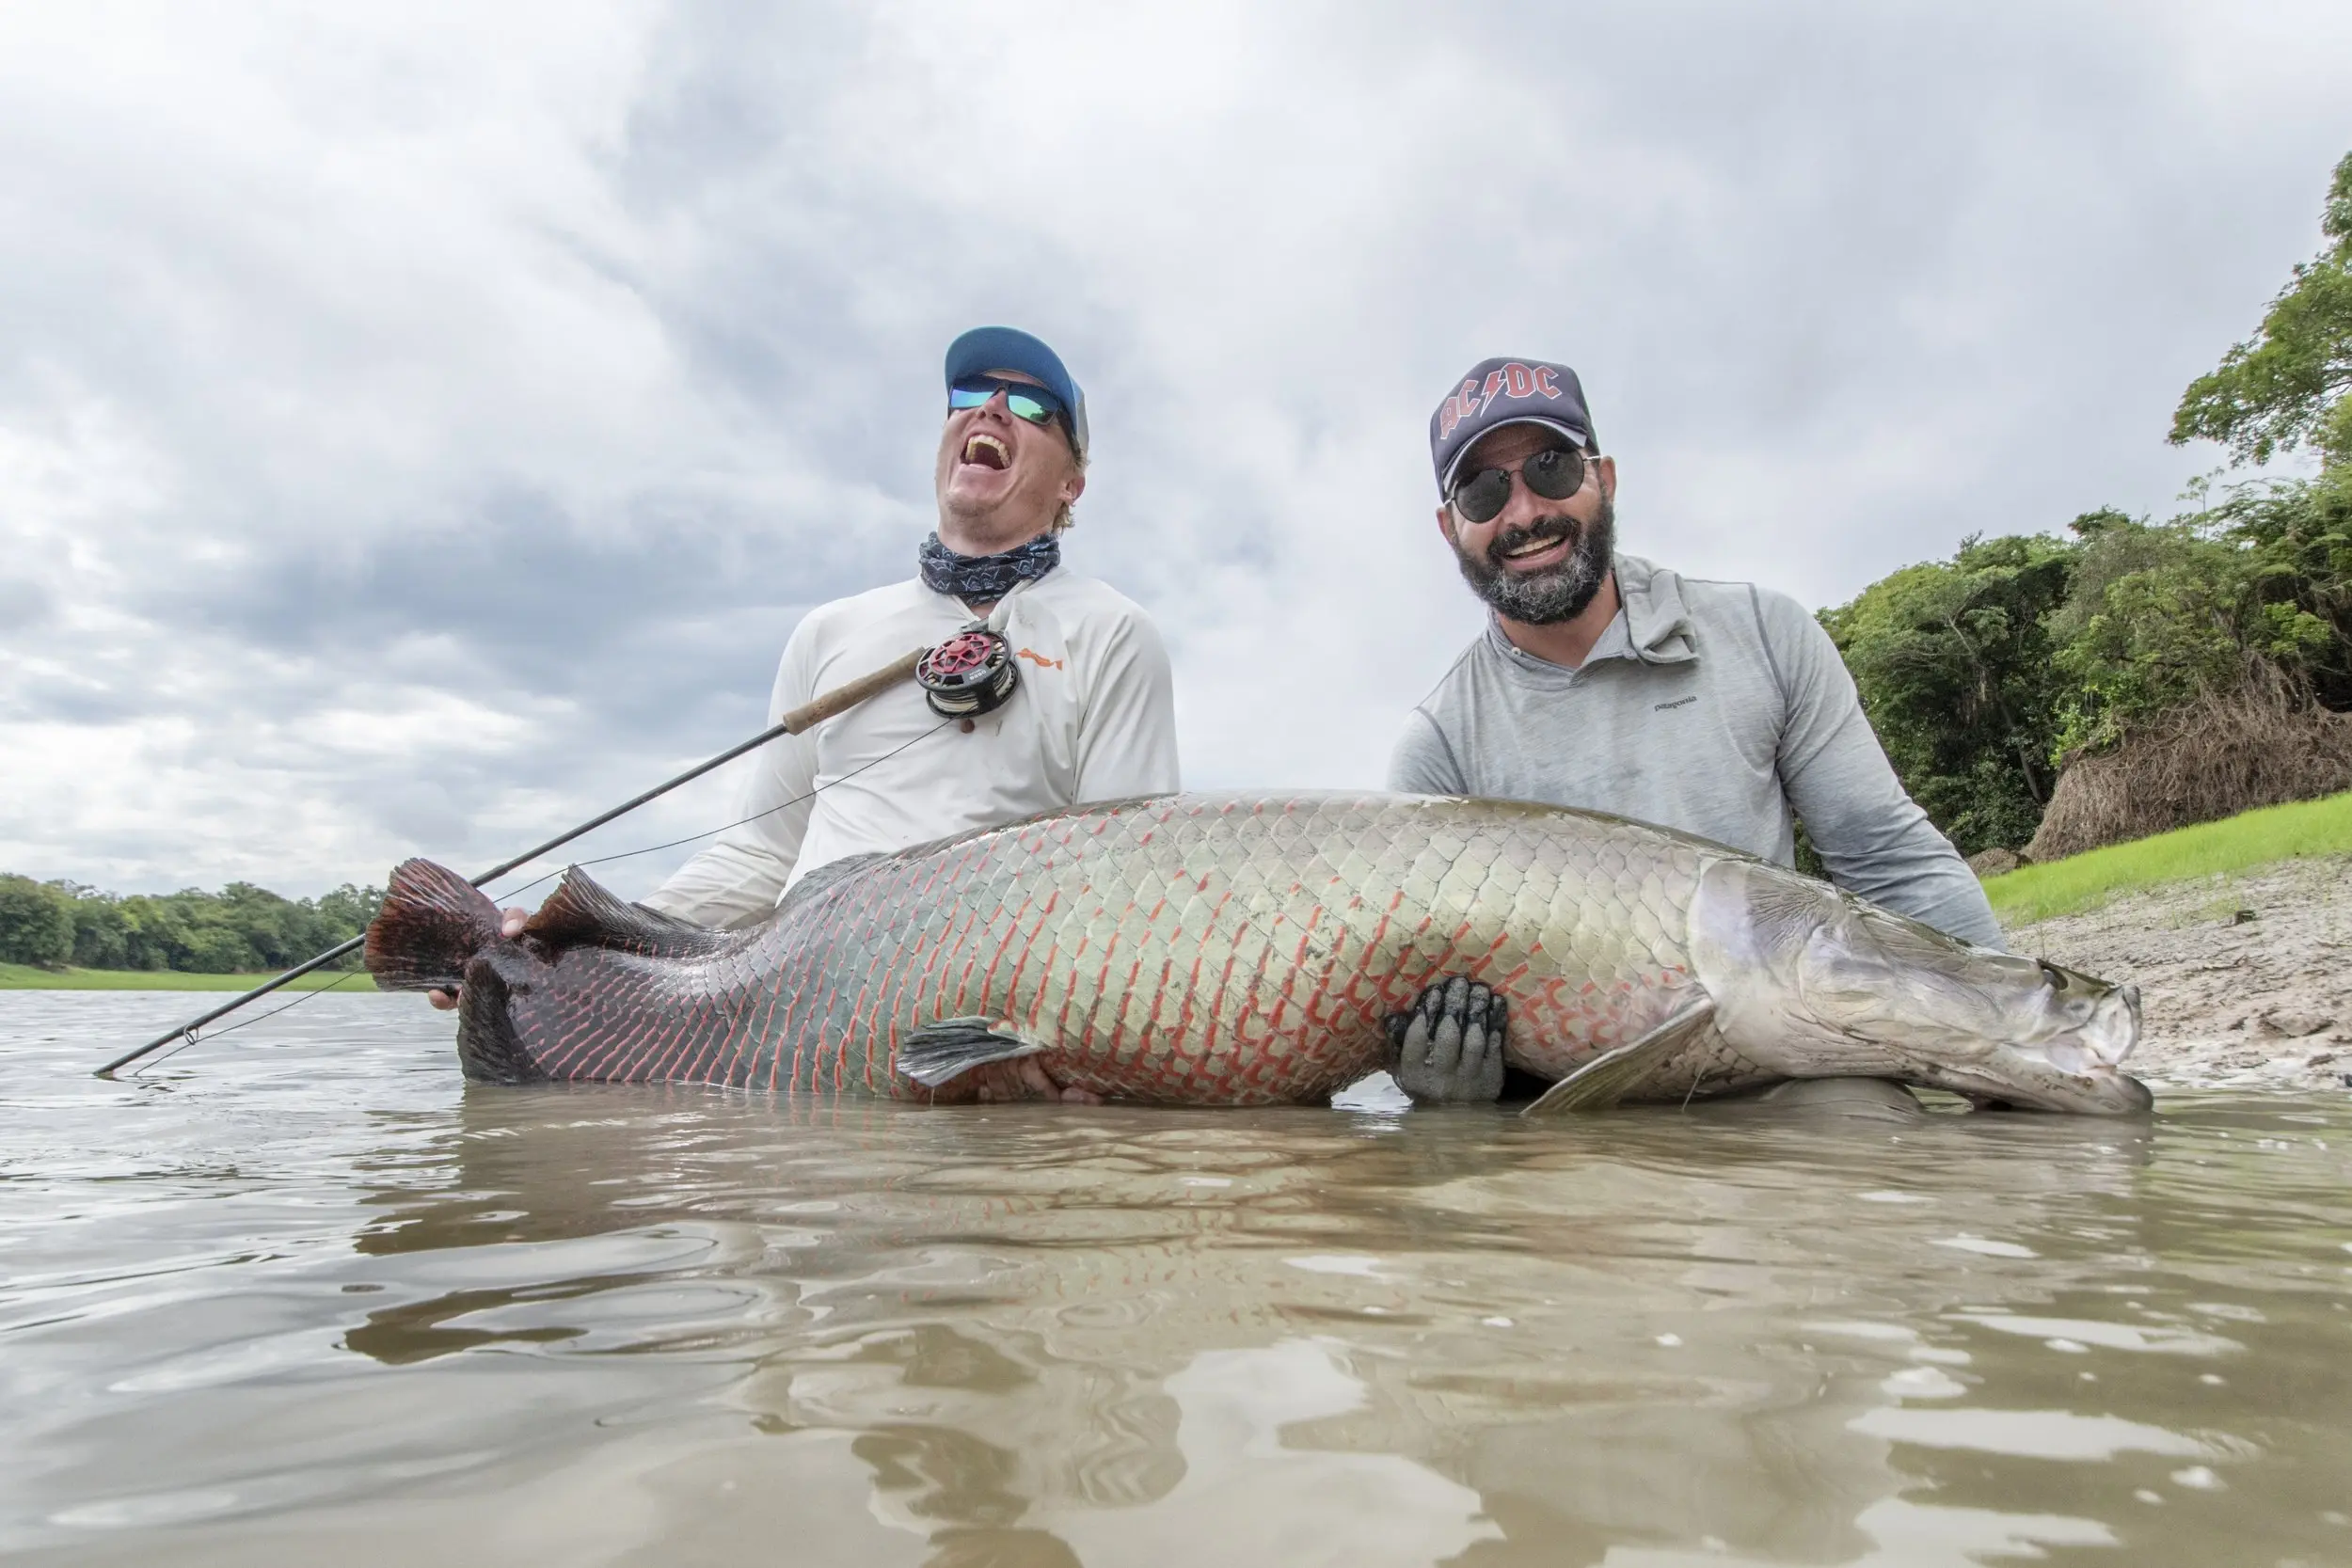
x=1601 y=1083
x=940 y=1052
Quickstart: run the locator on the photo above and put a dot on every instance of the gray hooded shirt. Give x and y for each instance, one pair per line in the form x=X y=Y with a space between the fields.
x=1718 y=708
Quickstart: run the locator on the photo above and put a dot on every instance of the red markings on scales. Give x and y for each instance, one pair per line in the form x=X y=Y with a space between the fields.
x=1513 y=380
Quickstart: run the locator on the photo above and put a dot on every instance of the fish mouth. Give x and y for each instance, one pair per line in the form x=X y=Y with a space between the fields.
x=1811 y=983
x=2102 y=1042
x=2089 y=1059
x=2077 y=1067
x=983 y=451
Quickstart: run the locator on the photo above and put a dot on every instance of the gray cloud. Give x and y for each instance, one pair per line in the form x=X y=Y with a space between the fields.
x=416 y=431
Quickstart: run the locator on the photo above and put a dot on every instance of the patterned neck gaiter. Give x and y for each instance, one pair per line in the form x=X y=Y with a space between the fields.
x=987 y=577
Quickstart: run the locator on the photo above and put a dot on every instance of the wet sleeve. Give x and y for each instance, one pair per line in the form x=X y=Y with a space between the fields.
x=1422 y=762
x=1127 y=729
x=1872 y=837
x=740 y=876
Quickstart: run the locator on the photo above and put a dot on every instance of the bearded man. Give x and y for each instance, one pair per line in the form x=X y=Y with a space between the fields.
x=1606 y=682
x=1092 y=718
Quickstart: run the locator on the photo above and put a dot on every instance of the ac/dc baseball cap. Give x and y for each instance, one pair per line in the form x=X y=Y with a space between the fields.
x=1498 y=392
x=1003 y=348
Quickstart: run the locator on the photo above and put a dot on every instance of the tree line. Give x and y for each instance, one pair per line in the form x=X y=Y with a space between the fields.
x=1985 y=674
x=242 y=929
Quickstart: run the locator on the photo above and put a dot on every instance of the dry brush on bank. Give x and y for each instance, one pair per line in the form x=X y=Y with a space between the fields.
x=2219 y=755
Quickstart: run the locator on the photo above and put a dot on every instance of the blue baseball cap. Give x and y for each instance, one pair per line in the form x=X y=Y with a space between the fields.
x=1496 y=392
x=1003 y=348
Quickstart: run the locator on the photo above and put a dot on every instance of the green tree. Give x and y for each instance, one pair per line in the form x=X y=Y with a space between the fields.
x=2162 y=614
x=344 y=913
x=101 y=935
x=36 y=923
x=1953 y=664
x=2287 y=384
x=240 y=927
x=2298 y=533
x=157 y=935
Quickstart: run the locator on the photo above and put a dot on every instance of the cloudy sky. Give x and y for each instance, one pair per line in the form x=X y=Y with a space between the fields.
x=422 y=425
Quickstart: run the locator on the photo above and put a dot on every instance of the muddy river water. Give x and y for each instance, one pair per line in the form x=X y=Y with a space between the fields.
x=299 y=1295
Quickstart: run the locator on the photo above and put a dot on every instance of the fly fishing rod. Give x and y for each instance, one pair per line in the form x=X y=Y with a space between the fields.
x=968 y=669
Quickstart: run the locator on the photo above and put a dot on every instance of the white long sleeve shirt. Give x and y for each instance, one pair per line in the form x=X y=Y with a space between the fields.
x=1094 y=720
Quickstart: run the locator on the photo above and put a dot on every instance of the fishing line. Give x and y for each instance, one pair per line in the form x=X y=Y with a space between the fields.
x=799 y=721
x=755 y=816
x=194 y=1034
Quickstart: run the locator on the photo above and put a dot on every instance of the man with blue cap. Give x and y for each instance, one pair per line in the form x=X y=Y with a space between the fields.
x=1607 y=682
x=1092 y=716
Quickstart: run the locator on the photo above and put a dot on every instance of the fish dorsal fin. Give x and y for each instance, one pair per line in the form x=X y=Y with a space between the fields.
x=940 y=1052
x=581 y=913
x=828 y=875
x=1601 y=1083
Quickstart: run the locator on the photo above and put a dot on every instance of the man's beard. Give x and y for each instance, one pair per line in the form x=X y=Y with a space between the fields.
x=1547 y=597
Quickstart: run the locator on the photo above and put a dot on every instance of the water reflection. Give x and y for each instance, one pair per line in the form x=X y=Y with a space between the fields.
x=384 y=1315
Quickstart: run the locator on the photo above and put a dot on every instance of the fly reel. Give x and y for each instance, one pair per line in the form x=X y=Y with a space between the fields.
x=969 y=674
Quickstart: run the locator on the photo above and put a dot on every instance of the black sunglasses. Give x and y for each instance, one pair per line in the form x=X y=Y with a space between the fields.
x=1022 y=400
x=1555 y=473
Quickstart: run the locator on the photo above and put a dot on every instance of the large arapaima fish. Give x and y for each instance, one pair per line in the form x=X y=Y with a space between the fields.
x=1228 y=950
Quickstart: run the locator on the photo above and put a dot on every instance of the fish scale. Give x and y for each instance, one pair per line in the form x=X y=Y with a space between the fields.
x=1238 y=950
x=1199 y=949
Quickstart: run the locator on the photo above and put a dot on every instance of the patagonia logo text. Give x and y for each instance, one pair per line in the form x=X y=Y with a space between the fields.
x=1678 y=701
x=1513 y=380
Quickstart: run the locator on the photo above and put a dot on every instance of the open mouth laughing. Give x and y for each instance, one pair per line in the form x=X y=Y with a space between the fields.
x=986 y=451
x=1545 y=545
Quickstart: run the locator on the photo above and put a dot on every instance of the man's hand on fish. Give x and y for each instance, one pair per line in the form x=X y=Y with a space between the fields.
x=511 y=922
x=1447 y=1048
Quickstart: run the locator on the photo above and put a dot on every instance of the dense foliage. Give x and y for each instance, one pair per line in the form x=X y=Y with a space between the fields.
x=1983 y=674
x=2253 y=588
x=1954 y=663
x=240 y=929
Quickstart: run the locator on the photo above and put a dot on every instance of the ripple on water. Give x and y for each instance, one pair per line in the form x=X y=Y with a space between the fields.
x=302 y=1293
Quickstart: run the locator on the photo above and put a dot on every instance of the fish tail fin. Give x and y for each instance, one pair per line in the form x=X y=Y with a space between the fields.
x=432 y=924
x=436 y=931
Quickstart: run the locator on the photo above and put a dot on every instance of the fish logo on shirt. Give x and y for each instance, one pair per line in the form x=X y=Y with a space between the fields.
x=1036 y=658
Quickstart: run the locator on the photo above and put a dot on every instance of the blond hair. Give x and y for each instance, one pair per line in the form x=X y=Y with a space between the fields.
x=1063 y=520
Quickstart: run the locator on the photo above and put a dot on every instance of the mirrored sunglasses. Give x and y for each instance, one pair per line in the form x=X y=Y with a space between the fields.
x=1022 y=400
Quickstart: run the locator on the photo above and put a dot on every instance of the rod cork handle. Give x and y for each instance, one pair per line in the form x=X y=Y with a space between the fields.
x=850 y=693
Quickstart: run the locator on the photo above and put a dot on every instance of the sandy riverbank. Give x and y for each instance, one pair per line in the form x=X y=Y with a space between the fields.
x=2246 y=980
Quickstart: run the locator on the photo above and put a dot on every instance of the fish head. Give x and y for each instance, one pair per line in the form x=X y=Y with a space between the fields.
x=1824 y=984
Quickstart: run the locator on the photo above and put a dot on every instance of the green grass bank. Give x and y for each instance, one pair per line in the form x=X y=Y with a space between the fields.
x=26 y=977
x=2242 y=843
